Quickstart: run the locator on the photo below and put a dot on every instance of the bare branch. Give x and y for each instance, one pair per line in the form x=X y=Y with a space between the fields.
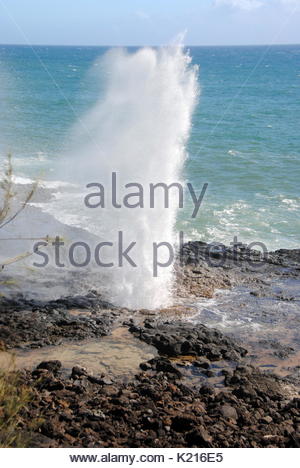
x=7 y=185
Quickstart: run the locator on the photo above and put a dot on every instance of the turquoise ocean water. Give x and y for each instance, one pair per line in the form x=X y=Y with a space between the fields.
x=245 y=140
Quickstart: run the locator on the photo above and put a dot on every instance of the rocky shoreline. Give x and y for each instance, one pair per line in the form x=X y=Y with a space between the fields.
x=33 y=324
x=174 y=400
x=157 y=410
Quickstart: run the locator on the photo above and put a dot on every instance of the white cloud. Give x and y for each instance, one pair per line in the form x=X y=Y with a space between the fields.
x=247 y=5
x=290 y=3
x=142 y=15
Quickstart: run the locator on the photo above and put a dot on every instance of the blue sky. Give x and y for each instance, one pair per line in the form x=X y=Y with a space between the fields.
x=140 y=22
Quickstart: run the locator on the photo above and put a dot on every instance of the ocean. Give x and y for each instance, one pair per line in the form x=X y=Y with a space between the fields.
x=227 y=117
x=244 y=140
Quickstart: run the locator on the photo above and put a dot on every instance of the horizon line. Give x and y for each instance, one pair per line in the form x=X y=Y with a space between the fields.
x=149 y=45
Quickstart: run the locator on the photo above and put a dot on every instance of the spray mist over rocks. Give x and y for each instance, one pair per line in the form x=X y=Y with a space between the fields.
x=138 y=129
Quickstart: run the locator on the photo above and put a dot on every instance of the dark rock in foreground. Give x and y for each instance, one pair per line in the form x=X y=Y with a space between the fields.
x=158 y=410
x=179 y=338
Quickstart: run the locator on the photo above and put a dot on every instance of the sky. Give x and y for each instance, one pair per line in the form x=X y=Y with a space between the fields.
x=149 y=22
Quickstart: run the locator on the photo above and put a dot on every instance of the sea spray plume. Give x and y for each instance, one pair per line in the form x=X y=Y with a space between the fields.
x=138 y=129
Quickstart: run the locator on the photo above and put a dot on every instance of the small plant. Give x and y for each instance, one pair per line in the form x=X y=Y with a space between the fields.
x=6 y=186
x=7 y=215
x=14 y=396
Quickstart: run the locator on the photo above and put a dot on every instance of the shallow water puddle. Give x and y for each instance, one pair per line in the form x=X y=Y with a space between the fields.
x=194 y=375
x=267 y=362
x=266 y=323
x=118 y=354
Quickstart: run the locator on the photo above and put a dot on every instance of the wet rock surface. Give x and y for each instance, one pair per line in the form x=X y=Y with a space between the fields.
x=203 y=268
x=279 y=350
x=179 y=338
x=260 y=307
x=198 y=392
x=31 y=323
